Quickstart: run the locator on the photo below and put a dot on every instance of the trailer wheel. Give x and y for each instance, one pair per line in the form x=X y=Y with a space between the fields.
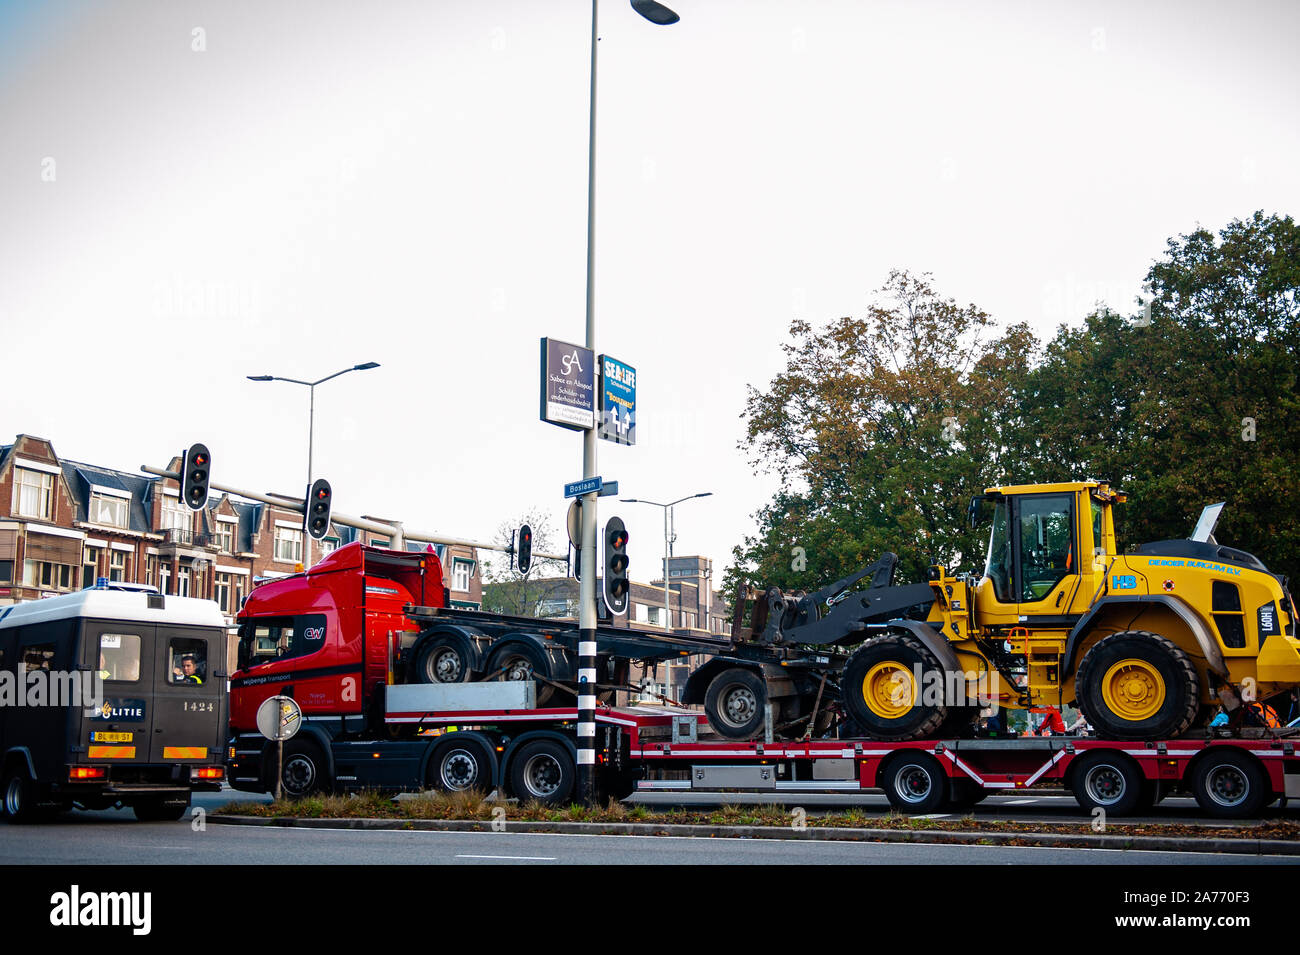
x=1229 y=784
x=543 y=771
x=160 y=810
x=914 y=782
x=1107 y=781
x=1137 y=685
x=523 y=661
x=459 y=766
x=965 y=794
x=883 y=683
x=304 y=772
x=734 y=703
x=443 y=659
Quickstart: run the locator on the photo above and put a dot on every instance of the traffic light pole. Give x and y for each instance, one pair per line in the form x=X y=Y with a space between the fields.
x=587 y=559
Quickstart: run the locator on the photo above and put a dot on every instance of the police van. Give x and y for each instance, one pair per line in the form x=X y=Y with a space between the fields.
x=113 y=696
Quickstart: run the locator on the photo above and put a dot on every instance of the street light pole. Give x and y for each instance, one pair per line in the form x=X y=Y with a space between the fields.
x=655 y=13
x=668 y=614
x=311 y=411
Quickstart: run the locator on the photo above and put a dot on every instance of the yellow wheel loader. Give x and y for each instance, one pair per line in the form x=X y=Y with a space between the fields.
x=1147 y=644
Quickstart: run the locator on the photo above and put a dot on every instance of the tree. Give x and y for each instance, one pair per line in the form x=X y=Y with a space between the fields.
x=507 y=591
x=881 y=428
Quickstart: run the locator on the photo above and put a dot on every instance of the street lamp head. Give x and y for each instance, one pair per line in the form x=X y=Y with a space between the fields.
x=629 y=500
x=366 y=367
x=655 y=12
x=705 y=494
x=260 y=377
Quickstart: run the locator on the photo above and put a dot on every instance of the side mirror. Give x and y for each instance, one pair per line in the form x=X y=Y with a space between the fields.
x=241 y=659
x=973 y=512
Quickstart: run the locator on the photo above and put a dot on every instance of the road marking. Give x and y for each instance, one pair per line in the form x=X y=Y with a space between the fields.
x=516 y=858
x=1016 y=802
x=935 y=815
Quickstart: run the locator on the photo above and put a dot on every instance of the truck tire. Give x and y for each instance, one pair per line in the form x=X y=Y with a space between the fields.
x=964 y=794
x=914 y=782
x=542 y=771
x=734 y=703
x=523 y=661
x=1108 y=781
x=1230 y=784
x=881 y=692
x=1137 y=685
x=160 y=809
x=305 y=771
x=443 y=658
x=459 y=766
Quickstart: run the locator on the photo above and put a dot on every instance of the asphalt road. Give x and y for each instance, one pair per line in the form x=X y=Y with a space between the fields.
x=85 y=841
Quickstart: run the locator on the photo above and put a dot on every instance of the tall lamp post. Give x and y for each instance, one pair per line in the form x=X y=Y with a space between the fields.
x=311 y=413
x=659 y=14
x=668 y=539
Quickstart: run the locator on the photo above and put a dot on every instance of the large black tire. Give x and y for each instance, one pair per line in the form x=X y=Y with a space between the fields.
x=1230 y=784
x=460 y=765
x=914 y=782
x=305 y=772
x=543 y=771
x=734 y=703
x=19 y=795
x=1109 y=781
x=160 y=809
x=443 y=658
x=964 y=794
x=1138 y=685
x=881 y=695
x=523 y=661
x=959 y=723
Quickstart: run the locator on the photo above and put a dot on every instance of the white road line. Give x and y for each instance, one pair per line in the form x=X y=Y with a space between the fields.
x=1016 y=802
x=516 y=858
x=935 y=815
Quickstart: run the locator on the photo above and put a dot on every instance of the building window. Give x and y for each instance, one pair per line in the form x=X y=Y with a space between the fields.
x=33 y=494
x=108 y=510
x=150 y=569
x=380 y=542
x=90 y=567
x=329 y=545
x=461 y=571
x=175 y=515
x=288 y=544
x=117 y=565
x=228 y=591
x=47 y=575
x=225 y=537
x=6 y=571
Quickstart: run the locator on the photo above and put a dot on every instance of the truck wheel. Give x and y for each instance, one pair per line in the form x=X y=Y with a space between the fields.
x=1137 y=685
x=19 y=797
x=443 y=659
x=543 y=771
x=522 y=661
x=160 y=810
x=965 y=794
x=734 y=703
x=1107 y=781
x=1229 y=784
x=304 y=773
x=914 y=783
x=882 y=692
x=459 y=766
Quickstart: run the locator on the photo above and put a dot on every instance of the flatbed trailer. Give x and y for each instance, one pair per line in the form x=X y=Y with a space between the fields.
x=530 y=753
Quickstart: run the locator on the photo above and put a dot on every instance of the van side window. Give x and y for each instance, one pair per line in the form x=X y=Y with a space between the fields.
x=189 y=661
x=37 y=657
x=119 y=657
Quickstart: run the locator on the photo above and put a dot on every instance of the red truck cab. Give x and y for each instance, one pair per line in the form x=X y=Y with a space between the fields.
x=327 y=636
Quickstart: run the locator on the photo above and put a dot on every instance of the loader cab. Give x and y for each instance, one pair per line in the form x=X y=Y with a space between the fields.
x=1045 y=554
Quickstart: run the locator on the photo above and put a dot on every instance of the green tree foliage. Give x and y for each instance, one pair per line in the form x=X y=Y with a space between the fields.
x=881 y=428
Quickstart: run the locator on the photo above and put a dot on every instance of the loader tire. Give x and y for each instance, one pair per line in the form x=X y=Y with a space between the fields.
x=882 y=695
x=734 y=704
x=1138 y=685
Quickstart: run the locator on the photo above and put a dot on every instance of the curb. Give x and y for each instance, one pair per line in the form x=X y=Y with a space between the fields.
x=1262 y=847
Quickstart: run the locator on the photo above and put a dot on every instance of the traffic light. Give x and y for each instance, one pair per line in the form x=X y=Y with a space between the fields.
x=616 y=582
x=317 y=513
x=525 y=548
x=195 y=475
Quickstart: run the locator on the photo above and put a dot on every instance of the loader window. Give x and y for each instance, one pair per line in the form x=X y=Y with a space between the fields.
x=1046 y=544
x=998 y=566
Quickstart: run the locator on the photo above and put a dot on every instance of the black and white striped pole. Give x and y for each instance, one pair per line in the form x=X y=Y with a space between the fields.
x=655 y=13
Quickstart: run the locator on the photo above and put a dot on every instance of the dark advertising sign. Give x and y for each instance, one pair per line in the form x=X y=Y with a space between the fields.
x=568 y=395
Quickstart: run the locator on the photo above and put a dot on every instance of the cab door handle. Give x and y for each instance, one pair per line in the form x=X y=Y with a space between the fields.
x=1059 y=597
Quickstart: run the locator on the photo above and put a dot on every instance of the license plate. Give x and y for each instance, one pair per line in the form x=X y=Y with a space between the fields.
x=112 y=737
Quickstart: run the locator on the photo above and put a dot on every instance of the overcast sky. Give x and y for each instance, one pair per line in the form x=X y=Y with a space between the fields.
x=193 y=192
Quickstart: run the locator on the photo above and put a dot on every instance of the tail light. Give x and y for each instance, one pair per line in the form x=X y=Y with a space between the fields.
x=209 y=772
x=87 y=772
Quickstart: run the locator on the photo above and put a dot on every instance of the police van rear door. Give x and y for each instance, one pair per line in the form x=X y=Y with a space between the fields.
x=120 y=653
x=189 y=681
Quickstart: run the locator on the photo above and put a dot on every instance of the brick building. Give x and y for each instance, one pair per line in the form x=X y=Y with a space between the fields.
x=63 y=524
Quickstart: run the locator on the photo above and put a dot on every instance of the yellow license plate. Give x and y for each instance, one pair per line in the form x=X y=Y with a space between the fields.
x=112 y=737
